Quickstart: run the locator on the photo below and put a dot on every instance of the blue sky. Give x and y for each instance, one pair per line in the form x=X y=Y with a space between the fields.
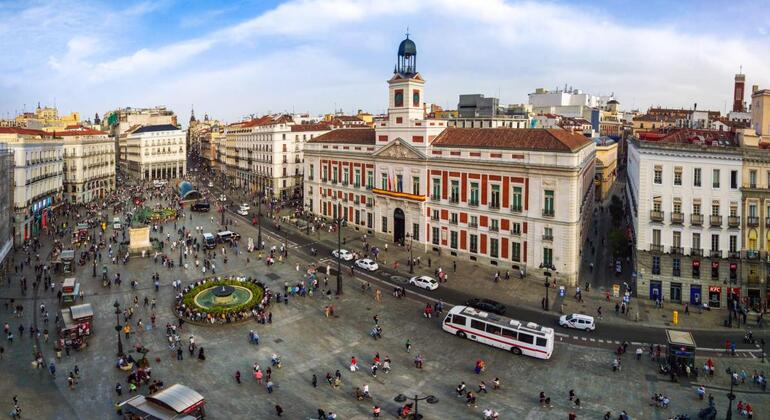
x=234 y=58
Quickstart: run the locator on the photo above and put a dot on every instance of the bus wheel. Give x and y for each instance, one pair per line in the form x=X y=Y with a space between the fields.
x=460 y=334
x=516 y=351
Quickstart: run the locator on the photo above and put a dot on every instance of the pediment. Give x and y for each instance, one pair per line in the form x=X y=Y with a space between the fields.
x=399 y=149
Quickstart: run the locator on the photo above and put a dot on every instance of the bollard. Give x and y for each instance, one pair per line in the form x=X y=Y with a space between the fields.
x=675 y=318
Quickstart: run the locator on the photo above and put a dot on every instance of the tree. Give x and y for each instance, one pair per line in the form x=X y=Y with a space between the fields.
x=618 y=243
x=616 y=210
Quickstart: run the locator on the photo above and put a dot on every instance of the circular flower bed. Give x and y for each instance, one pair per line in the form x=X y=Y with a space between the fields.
x=190 y=308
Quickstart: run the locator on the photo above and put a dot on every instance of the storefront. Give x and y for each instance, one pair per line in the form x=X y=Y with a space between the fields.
x=696 y=269
x=676 y=293
x=715 y=296
x=695 y=294
x=715 y=270
x=733 y=272
x=656 y=290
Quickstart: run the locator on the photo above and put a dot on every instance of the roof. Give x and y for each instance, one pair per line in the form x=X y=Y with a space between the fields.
x=512 y=138
x=176 y=397
x=310 y=127
x=680 y=338
x=407 y=47
x=80 y=131
x=22 y=130
x=154 y=128
x=187 y=191
x=347 y=135
x=81 y=311
x=690 y=136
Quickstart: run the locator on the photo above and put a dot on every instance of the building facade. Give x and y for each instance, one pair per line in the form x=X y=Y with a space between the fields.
x=154 y=152
x=513 y=198
x=686 y=206
x=6 y=208
x=38 y=161
x=89 y=164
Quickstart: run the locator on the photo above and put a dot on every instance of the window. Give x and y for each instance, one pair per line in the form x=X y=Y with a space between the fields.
x=526 y=338
x=398 y=98
x=453 y=218
x=357 y=178
x=548 y=256
x=435 y=235
x=416 y=231
x=656 y=236
x=310 y=173
x=399 y=183
x=478 y=325
x=655 y=264
x=548 y=208
x=455 y=191
x=696 y=208
x=494 y=329
x=715 y=178
x=676 y=239
x=384 y=224
x=474 y=243
x=436 y=188
x=715 y=242
x=516 y=228
x=453 y=239
x=658 y=175
x=334 y=175
x=696 y=177
x=474 y=200
x=733 y=243
x=541 y=342
x=678 y=176
x=715 y=209
x=474 y=221
x=733 y=179
x=345 y=176
x=459 y=320
x=547 y=233
x=493 y=247
x=495 y=197
x=508 y=333
x=753 y=178
x=696 y=240
x=516 y=205
x=416 y=185
x=370 y=180
x=384 y=181
x=676 y=267
x=516 y=251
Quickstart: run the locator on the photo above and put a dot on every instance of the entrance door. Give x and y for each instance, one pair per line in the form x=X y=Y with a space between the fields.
x=676 y=292
x=656 y=289
x=695 y=294
x=399 y=225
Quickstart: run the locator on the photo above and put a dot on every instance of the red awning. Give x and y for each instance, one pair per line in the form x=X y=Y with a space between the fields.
x=696 y=263
x=715 y=264
x=733 y=266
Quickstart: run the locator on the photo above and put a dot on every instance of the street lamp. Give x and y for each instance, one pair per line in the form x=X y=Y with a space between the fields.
x=546 y=284
x=339 y=248
x=430 y=399
x=730 y=398
x=762 y=341
x=411 y=258
x=118 y=327
x=308 y=217
x=259 y=220
x=181 y=244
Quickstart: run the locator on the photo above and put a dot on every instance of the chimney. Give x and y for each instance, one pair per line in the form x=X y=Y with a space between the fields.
x=754 y=89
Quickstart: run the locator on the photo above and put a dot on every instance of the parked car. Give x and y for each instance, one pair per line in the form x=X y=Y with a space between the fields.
x=242 y=212
x=343 y=254
x=367 y=264
x=222 y=197
x=487 y=305
x=424 y=282
x=245 y=206
x=578 y=321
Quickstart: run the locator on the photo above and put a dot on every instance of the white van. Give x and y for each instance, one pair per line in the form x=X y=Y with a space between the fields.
x=578 y=321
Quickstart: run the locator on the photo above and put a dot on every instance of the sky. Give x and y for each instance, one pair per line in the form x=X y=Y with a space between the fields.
x=231 y=59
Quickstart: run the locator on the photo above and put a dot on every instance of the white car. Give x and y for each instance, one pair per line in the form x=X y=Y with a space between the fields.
x=578 y=321
x=242 y=212
x=424 y=282
x=367 y=264
x=245 y=206
x=222 y=197
x=343 y=254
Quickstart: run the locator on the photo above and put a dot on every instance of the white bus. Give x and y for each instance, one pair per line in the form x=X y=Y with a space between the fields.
x=528 y=339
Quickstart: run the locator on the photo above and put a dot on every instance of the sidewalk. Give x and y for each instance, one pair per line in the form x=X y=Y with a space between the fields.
x=478 y=280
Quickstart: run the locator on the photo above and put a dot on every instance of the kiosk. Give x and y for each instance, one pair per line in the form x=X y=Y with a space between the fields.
x=67 y=259
x=175 y=402
x=76 y=324
x=70 y=289
x=680 y=351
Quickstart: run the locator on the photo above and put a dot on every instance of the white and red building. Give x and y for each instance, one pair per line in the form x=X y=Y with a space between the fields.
x=514 y=198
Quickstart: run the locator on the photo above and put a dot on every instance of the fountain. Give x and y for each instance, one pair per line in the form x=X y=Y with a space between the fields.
x=224 y=294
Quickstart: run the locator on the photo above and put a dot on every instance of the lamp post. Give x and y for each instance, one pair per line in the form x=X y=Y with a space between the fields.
x=411 y=257
x=546 y=284
x=339 y=257
x=762 y=341
x=93 y=274
x=309 y=216
x=181 y=244
x=430 y=399
x=730 y=398
x=118 y=327
x=259 y=220
x=222 y=210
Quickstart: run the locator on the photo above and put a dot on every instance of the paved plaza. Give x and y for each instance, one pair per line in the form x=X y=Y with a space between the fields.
x=309 y=343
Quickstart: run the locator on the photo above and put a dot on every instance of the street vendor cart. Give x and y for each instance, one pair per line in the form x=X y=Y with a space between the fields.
x=175 y=402
x=76 y=325
x=67 y=259
x=70 y=290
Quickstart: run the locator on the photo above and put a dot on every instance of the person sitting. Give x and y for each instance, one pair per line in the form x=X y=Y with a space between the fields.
x=358 y=394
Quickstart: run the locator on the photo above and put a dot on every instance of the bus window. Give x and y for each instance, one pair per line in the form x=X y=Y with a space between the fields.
x=478 y=325
x=541 y=341
x=509 y=333
x=493 y=329
x=526 y=338
x=459 y=320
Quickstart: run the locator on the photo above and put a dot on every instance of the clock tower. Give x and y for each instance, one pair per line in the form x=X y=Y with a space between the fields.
x=405 y=102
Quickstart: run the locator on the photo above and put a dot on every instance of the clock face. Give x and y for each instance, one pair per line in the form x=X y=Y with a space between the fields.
x=416 y=98
x=399 y=98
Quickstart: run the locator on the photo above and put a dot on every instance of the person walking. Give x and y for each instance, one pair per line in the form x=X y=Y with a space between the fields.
x=408 y=345
x=278 y=410
x=238 y=376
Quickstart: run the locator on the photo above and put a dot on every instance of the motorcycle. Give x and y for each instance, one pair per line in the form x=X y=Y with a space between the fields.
x=748 y=338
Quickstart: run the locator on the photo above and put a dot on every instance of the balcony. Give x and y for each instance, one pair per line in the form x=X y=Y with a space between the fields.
x=656 y=216
x=696 y=219
x=656 y=248
x=494 y=206
x=370 y=187
x=752 y=221
x=676 y=250
x=677 y=218
x=494 y=228
x=473 y=225
x=715 y=221
x=733 y=255
x=696 y=252
x=435 y=197
x=452 y=221
x=548 y=212
x=434 y=217
x=714 y=253
x=454 y=200
x=356 y=185
x=516 y=209
x=547 y=237
x=733 y=221
x=473 y=203
x=334 y=182
x=344 y=183
x=752 y=254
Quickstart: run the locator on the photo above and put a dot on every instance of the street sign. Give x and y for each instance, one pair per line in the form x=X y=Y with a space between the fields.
x=616 y=290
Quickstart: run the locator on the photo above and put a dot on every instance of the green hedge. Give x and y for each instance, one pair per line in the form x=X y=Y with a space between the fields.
x=256 y=296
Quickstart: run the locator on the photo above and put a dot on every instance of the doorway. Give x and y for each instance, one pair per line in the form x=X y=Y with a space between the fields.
x=399 y=225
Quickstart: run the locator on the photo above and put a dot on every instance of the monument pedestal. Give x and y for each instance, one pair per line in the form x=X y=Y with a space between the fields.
x=139 y=240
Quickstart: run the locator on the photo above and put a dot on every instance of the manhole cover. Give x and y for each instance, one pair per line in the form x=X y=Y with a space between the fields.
x=272 y=276
x=278 y=340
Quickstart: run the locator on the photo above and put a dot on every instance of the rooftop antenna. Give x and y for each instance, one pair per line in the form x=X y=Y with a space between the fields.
x=407 y=32
x=740 y=69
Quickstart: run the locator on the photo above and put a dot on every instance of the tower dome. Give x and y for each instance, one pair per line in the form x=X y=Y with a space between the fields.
x=406 y=63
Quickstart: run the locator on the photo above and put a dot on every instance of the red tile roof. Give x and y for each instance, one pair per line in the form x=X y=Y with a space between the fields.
x=347 y=136
x=82 y=131
x=22 y=130
x=511 y=138
x=311 y=127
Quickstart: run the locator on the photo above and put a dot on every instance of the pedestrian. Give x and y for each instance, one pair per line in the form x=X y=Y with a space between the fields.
x=408 y=345
x=278 y=410
x=119 y=389
x=482 y=387
x=238 y=376
x=269 y=387
x=496 y=384
x=314 y=381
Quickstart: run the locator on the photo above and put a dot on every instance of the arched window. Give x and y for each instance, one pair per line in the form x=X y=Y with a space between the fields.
x=753 y=239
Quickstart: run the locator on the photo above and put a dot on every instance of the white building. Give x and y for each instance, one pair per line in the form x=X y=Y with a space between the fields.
x=89 y=164
x=513 y=198
x=154 y=152
x=37 y=178
x=568 y=102
x=685 y=202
